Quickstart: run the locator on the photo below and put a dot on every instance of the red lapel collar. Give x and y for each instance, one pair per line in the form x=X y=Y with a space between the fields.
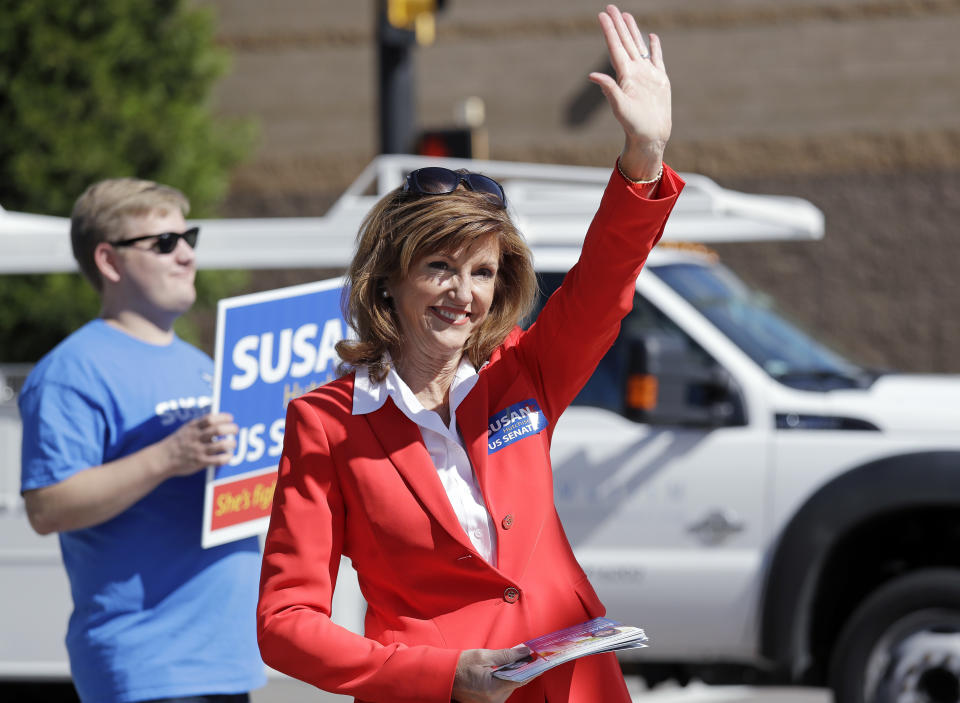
x=403 y=444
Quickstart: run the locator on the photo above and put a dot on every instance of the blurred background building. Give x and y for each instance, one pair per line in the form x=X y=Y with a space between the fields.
x=853 y=104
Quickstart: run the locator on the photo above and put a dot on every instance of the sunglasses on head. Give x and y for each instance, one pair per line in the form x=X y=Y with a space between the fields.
x=165 y=242
x=436 y=180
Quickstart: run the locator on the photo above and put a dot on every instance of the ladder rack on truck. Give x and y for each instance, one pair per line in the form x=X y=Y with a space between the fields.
x=551 y=204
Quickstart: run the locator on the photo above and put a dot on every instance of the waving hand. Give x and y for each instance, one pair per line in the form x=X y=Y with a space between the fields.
x=640 y=95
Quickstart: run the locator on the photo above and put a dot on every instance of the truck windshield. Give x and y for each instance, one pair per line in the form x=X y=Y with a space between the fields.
x=746 y=317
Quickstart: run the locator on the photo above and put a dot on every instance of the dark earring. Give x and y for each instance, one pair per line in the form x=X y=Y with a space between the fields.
x=384 y=294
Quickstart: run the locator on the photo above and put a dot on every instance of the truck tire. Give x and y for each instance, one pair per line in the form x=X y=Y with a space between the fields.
x=902 y=644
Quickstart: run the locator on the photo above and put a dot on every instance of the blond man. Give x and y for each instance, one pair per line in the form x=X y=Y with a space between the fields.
x=117 y=427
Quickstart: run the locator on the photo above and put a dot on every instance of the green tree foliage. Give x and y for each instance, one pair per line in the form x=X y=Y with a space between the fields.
x=91 y=90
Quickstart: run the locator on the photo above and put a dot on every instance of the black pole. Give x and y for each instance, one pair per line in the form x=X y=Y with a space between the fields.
x=396 y=90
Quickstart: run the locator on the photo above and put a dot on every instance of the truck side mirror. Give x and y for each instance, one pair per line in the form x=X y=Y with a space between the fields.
x=670 y=382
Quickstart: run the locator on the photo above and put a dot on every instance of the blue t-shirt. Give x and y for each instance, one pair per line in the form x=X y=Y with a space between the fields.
x=155 y=615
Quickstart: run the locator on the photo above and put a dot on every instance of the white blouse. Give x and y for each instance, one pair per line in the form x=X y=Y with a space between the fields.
x=444 y=445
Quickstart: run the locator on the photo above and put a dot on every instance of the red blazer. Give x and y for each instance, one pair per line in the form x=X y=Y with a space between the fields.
x=364 y=486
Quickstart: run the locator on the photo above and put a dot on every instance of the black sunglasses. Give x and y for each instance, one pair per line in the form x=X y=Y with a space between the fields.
x=165 y=242
x=436 y=180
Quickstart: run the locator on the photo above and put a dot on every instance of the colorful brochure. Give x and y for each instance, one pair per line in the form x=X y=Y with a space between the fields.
x=591 y=637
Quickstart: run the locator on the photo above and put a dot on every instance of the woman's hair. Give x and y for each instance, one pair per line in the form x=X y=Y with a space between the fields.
x=401 y=228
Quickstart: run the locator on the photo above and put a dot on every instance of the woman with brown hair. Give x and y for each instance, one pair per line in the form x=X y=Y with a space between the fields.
x=428 y=462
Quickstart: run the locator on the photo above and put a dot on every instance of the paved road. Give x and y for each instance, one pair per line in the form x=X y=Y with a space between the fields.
x=700 y=693
x=289 y=691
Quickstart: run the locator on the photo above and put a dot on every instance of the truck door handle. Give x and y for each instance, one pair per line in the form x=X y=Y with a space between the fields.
x=717 y=526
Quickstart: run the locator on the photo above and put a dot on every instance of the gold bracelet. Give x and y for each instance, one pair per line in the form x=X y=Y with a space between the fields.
x=640 y=183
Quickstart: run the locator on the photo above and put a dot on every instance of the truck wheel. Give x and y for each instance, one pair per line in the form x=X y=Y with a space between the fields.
x=902 y=645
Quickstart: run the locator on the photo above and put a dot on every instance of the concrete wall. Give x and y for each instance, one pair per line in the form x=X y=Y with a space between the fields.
x=854 y=104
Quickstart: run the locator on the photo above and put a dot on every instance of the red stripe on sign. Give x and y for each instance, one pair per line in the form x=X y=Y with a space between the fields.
x=242 y=501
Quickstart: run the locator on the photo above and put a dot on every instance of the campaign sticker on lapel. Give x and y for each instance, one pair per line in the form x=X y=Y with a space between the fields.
x=520 y=420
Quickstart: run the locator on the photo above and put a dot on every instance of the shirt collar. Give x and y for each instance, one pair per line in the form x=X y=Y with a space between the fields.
x=369 y=395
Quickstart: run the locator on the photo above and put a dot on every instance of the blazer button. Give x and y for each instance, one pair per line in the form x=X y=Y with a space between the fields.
x=507 y=522
x=511 y=595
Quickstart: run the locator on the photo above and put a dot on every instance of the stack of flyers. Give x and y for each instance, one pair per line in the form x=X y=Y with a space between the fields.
x=591 y=637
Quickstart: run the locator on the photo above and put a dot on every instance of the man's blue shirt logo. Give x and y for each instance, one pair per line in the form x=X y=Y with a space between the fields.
x=520 y=420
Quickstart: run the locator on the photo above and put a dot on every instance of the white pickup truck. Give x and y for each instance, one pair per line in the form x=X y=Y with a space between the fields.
x=767 y=510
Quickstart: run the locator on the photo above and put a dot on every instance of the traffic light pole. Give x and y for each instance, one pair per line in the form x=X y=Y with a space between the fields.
x=396 y=87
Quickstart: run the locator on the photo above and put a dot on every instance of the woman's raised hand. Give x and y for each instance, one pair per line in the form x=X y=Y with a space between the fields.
x=640 y=96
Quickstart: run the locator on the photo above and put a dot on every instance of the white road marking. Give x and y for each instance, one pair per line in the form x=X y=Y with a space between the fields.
x=696 y=693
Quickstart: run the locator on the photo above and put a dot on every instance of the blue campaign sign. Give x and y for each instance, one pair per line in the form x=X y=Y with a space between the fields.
x=271 y=347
